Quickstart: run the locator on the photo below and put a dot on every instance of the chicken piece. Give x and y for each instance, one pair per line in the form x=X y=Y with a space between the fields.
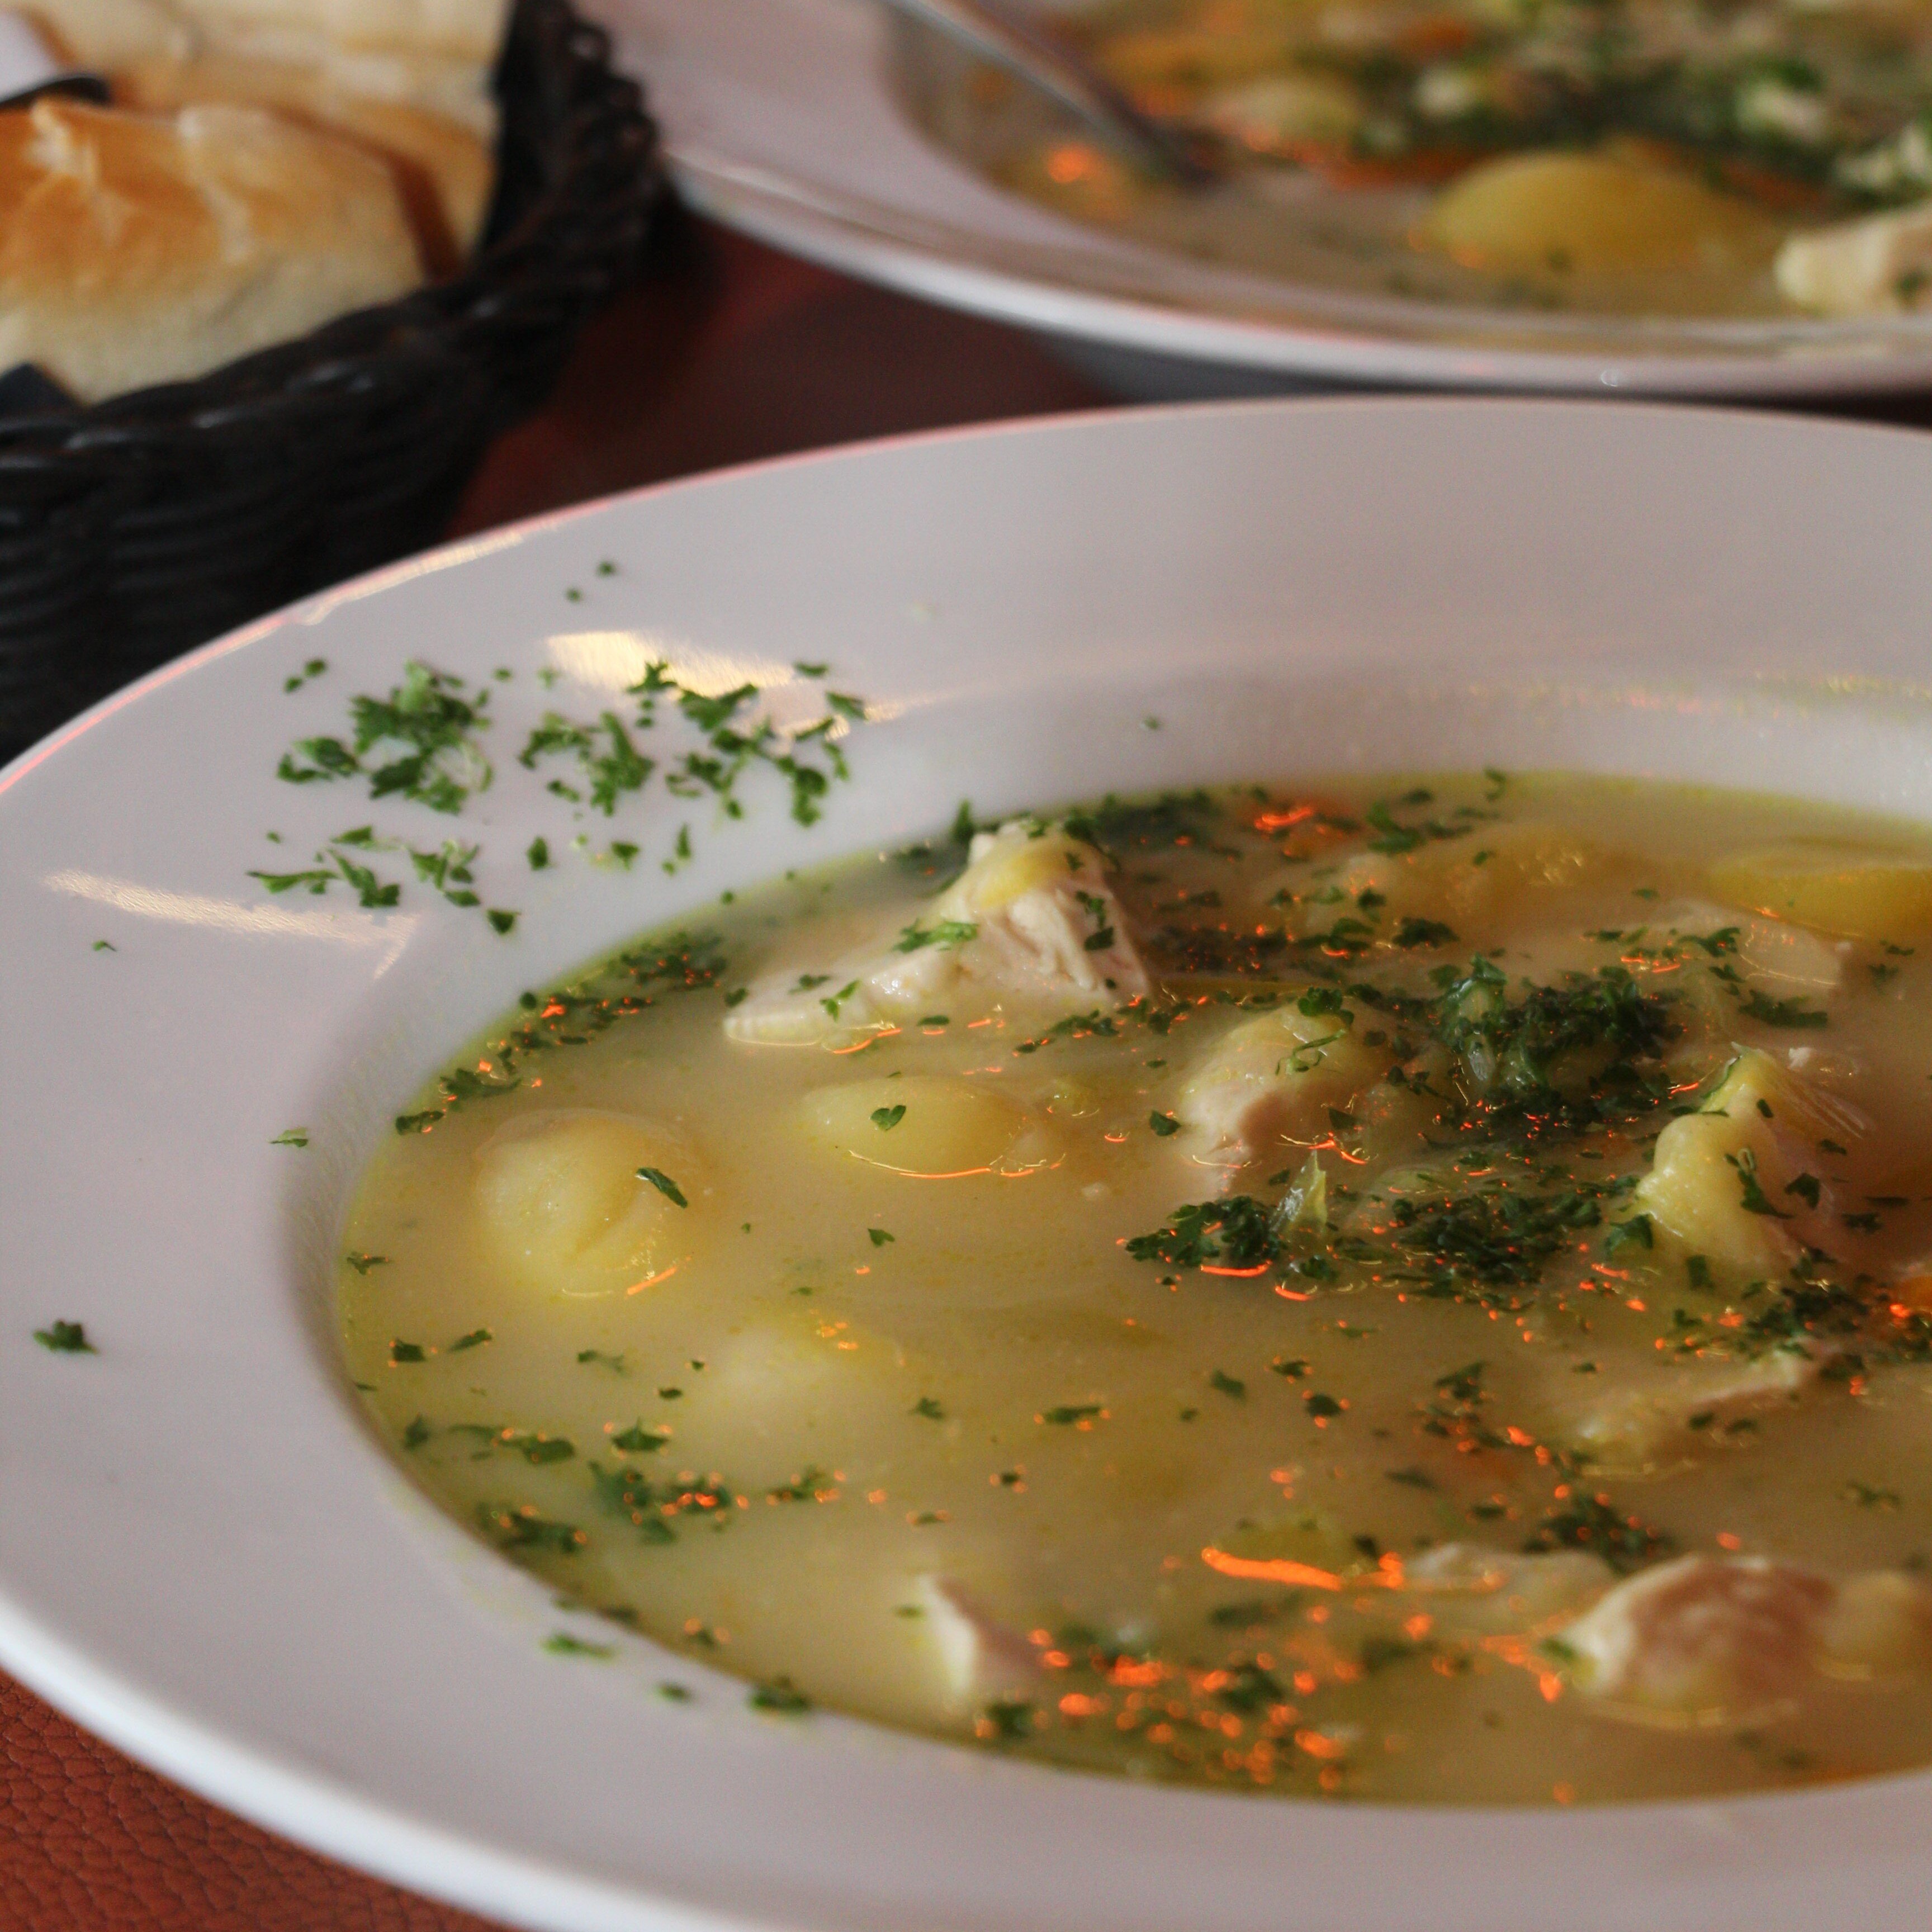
x=1785 y=959
x=1284 y=114
x=1659 y=1410
x=1032 y=921
x=1710 y=1639
x=970 y=1659
x=1272 y=1079
x=1878 y=265
x=1490 y=1592
x=1736 y=1181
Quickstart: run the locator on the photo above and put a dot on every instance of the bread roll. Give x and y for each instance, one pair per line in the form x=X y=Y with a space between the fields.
x=459 y=30
x=437 y=55
x=104 y=35
x=139 y=249
x=443 y=171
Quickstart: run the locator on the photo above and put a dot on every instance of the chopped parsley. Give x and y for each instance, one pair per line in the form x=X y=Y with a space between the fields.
x=948 y=933
x=1594 y=1523
x=665 y=1185
x=65 y=1338
x=639 y=1440
x=1782 y=1012
x=563 y=1644
x=781 y=1697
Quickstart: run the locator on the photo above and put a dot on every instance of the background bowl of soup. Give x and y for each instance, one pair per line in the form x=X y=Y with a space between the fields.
x=1617 y=254
x=252 y=906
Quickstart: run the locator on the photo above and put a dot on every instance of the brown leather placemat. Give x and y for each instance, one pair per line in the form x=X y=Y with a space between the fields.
x=90 y=1841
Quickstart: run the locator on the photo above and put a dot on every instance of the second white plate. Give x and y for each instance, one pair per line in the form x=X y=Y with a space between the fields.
x=781 y=122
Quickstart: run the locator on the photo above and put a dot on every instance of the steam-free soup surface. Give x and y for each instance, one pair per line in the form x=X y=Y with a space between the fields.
x=1414 y=1291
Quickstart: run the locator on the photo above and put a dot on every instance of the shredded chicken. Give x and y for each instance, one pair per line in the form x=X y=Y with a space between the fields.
x=1032 y=921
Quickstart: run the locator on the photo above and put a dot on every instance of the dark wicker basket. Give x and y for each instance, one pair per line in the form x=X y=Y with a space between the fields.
x=152 y=522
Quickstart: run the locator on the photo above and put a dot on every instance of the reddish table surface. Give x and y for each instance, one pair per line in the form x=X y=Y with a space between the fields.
x=729 y=353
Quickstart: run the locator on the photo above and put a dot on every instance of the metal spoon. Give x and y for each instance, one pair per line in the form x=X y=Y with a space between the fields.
x=1011 y=42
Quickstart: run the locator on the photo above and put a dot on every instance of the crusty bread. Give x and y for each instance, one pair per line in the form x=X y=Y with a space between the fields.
x=104 y=35
x=463 y=30
x=139 y=249
x=437 y=55
x=443 y=172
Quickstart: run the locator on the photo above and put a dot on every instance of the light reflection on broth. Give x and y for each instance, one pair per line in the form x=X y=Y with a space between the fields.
x=1418 y=1291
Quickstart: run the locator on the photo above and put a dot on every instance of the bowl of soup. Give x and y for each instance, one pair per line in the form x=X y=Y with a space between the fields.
x=1223 y=1182
x=1657 y=196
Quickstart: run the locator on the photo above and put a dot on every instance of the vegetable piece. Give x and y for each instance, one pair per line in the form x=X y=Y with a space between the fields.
x=578 y=1201
x=1721 y=1179
x=928 y=1125
x=1848 y=889
x=1600 y=214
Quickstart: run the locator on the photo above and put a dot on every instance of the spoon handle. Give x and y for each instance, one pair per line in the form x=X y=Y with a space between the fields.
x=1016 y=44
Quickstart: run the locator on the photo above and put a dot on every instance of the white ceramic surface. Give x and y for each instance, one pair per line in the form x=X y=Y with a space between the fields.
x=780 y=122
x=206 y=1557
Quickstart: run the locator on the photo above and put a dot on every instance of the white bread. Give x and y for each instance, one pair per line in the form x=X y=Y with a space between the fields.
x=443 y=172
x=437 y=55
x=104 y=35
x=139 y=249
x=462 y=30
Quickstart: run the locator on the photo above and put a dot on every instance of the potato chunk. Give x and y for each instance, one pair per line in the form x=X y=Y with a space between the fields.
x=1736 y=1181
x=1784 y=958
x=1492 y=876
x=564 y=1208
x=1594 y=213
x=928 y=1125
x=792 y=1389
x=1879 y=1627
x=1847 y=890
